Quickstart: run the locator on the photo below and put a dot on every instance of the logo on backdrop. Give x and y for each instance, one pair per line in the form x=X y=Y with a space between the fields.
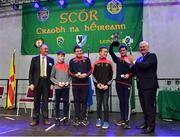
x=127 y=40
x=114 y=7
x=43 y=14
x=38 y=42
x=81 y=40
x=60 y=41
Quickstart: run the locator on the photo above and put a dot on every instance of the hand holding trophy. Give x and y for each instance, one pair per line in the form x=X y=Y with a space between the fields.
x=115 y=37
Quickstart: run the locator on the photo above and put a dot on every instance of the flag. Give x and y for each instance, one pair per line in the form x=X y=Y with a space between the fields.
x=12 y=82
x=90 y=93
x=114 y=10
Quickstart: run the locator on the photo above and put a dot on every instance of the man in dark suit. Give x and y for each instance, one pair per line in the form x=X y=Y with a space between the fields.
x=145 y=69
x=39 y=80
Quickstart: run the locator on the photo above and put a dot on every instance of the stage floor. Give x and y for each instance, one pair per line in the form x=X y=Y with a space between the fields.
x=19 y=126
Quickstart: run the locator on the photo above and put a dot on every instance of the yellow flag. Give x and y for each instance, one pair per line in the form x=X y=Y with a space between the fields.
x=12 y=83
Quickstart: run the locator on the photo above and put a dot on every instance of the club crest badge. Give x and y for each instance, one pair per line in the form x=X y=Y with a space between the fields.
x=38 y=42
x=114 y=7
x=127 y=40
x=81 y=40
x=60 y=41
x=43 y=14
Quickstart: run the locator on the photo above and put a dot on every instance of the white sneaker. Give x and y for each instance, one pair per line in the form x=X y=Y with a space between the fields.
x=98 y=122
x=105 y=125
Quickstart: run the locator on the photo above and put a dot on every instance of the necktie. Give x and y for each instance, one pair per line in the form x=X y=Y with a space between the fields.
x=43 y=67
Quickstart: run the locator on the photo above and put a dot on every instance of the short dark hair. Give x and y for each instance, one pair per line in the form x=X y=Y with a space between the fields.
x=76 y=47
x=61 y=52
x=123 y=46
x=102 y=47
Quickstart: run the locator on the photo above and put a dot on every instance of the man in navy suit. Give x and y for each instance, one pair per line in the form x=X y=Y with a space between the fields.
x=145 y=69
x=39 y=80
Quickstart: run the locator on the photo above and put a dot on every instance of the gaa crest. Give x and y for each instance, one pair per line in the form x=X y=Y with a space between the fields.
x=38 y=42
x=60 y=41
x=114 y=7
x=43 y=14
x=81 y=40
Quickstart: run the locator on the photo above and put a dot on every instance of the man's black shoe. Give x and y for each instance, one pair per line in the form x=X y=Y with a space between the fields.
x=142 y=126
x=34 y=123
x=148 y=130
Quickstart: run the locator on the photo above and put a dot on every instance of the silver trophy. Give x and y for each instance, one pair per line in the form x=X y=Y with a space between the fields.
x=115 y=36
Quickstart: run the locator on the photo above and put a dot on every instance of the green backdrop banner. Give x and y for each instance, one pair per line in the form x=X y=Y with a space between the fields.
x=62 y=29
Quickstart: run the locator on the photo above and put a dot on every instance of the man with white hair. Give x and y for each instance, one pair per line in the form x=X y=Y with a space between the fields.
x=40 y=83
x=145 y=69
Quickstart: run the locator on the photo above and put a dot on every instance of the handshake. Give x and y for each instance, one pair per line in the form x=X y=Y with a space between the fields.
x=63 y=84
x=79 y=75
x=102 y=86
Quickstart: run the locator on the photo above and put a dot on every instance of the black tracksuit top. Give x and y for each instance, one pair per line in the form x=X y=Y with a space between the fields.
x=103 y=71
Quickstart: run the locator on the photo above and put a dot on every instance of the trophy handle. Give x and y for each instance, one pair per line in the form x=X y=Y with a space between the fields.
x=115 y=36
x=130 y=50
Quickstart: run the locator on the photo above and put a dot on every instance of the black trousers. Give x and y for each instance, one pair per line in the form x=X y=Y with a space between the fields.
x=62 y=94
x=124 y=92
x=148 y=103
x=102 y=97
x=41 y=95
x=80 y=94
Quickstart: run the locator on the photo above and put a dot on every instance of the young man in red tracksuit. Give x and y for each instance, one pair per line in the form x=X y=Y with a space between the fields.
x=102 y=77
x=80 y=69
